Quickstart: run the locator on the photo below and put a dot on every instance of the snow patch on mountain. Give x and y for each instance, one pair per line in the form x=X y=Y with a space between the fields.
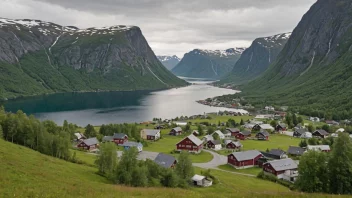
x=220 y=53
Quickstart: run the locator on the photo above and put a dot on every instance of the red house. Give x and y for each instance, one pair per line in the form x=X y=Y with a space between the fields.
x=262 y=135
x=89 y=144
x=233 y=131
x=229 y=144
x=281 y=127
x=120 y=138
x=176 y=131
x=285 y=169
x=243 y=135
x=244 y=159
x=190 y=143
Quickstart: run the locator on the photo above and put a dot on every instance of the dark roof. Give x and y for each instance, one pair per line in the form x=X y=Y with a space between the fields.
x=215 y=142
x=177 y=129
x=277 y=152
x=300 y=131
x=322 y=132
x=264 y=133
x=165 y=160
x=91 y=141
x=245 y=132
x=284 y=164
x=282 y=125
x=151 y=132
x=246 y=155
x=108 y=138
x=232 y=129
x=119 y=135
x=295 y=150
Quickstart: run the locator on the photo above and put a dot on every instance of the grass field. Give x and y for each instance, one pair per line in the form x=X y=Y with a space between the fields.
x=27 y=173
x=251 y=171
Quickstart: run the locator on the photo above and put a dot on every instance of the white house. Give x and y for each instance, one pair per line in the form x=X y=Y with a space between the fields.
x=207 y=138
x=266 y=127
x=199 y=180
x=324 y=148
x=221 y=135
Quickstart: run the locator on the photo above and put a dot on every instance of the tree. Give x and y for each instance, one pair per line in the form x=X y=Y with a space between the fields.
x=216 y=136
x=1 y=133
x=90 y=131
x=107 y=159
x=326 y=127
x=340 y=166
x=65 y=126
x=200 y=130
x=312 y=170
x=187 y=127
x=294 y=119
x=169 y=179
x=210 y=130
x=126 y=166
x=242 y=122
x=288 y=119
x=312 y=141
x=232 y=122
x=311 y=128
x=300 y=120
x=273 y=123
x=139 y=176
x=184 y=168
x=303 y=144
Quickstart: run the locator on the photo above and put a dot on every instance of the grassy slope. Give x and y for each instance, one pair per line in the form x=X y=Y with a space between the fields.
x=26 y=173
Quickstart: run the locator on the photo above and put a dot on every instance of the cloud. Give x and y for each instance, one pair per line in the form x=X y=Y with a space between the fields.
x=172 y=27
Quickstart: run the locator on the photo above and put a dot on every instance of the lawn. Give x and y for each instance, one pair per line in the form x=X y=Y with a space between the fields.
x=27 y=173
x=251 y=171
x=85 y=157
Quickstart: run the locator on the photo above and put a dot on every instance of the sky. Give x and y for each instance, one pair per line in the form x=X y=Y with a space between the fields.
x=172 y=27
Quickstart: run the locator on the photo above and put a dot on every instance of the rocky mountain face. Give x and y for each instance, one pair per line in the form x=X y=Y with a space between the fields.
x=256 y=59
x=314 y=68
x=169 y=61
x=213 y=64
x=38 y=57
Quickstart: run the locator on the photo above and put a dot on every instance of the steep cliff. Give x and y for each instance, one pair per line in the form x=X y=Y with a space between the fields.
x=213 y=64
x=38 y=57
x=313 y=71
x=256 y=59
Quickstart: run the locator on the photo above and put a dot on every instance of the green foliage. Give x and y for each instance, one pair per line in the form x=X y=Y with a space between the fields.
x=340 y=166
x=303 y=144
x=273 y=178
x=242 y=122
x=90 y=131
x=311 y=128
x=273 y=123
x=313 y=141
x=216 y=136
x=107 y=159
x=184 y=166
x=200 y=130
x=210 y=130
x=313 y=172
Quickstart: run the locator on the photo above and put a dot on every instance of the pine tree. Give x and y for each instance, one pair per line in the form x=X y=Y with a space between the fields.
x=242 y=122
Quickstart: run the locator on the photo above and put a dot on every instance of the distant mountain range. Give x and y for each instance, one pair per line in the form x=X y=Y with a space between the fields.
x=256 y=59
x=169 y=61
x=213 y=64
x=38 y=57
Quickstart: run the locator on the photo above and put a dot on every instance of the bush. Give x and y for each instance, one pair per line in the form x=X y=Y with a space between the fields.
x=273 y=178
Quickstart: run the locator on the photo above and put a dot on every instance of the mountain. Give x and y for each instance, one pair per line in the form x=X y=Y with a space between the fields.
x=313 y=72
x=38 y=57
x=213 y=64
x=169 y=61
x=256 y=59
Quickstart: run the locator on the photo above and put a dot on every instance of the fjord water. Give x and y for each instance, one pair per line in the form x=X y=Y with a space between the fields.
x=118 y=107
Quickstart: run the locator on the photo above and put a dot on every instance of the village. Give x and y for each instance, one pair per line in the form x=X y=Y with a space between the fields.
x=270 y=144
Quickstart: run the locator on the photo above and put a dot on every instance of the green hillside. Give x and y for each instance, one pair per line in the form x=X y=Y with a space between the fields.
x=26 y=173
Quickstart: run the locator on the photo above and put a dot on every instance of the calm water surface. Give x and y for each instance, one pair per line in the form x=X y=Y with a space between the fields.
x=119 y=107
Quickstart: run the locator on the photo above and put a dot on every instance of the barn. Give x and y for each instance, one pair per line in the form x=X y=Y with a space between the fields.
x=244 y=159
x=120 y=138
x=191 y=144
x=89 y=144
x=176 y=131
x=243 y=135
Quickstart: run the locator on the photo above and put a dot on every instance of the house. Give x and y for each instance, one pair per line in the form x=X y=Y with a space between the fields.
x=299 y=132
x=323 y=148
x=214 y=144
x=262 y=135
x=340 y=130
x=332 y=123
x=281 y=127
x=166 y=161
x=295 y=151
x=243 y=135
x=334 y=135
x=244 y=159
x=150 y=134
x=207 y=138
x=191 y=144
x=285 y=169
x=229 y=144
x=221 y=135
x=89 y=144
x=108 y=139
x=79 y=136
x=269 y=108
x=128 y=145
x=249 y=126
x=195 y=133
x=181 y=123
x=176 y=131
x=120 y=138
x=306 y=135
x=233 y=131
x=314 y=119
x=199 y=180
x=256 y=127
x=320 y=133
x=275 y=154
x=267 y=127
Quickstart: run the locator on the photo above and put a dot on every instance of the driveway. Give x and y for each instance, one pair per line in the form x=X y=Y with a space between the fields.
x=142 y=155
x=214 y=163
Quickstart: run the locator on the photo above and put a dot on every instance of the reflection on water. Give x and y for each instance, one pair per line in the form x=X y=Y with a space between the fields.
x=118 y=107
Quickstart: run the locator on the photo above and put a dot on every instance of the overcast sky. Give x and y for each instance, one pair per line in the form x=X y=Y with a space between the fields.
x=172 y=26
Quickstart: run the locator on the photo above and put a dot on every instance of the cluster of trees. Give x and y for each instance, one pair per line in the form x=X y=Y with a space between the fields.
x=327 y=172
x=132 y=172
x=292 y=120
x=131 y=130
x=45 y=137
x=314 y=141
